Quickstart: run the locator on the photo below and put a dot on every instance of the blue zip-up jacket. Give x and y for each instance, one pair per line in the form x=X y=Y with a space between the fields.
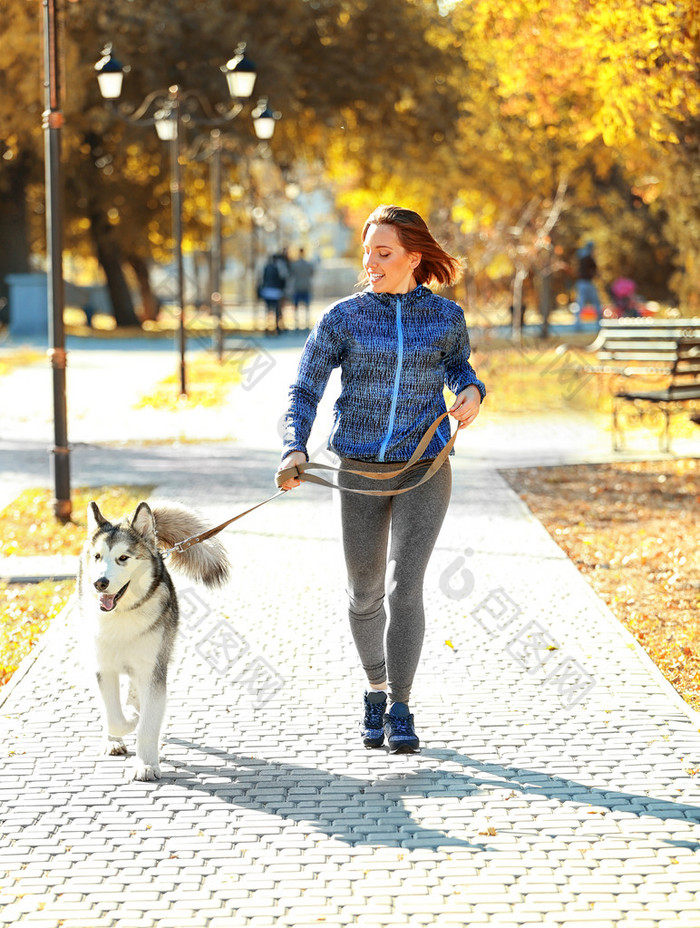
x=396 y=352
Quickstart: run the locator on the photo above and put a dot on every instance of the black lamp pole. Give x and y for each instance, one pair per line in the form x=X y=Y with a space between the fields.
x=52 y=123
x=176 y=201
x=216 y=300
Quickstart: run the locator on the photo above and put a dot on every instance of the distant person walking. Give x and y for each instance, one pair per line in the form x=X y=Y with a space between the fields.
x=302 y=272
x=272 y=289
x=586 y=292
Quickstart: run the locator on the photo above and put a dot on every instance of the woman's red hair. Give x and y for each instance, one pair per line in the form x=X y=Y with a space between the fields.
x=415 y=236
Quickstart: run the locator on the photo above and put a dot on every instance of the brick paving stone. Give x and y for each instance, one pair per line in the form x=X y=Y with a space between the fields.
x=634 y=921
x=90 y=921
x=378 y=919
x=303 y=914
x=491 y=907
x=186 y=918
x=529 y=906
x=263 y=908
x=236 y=921
x=37 y=921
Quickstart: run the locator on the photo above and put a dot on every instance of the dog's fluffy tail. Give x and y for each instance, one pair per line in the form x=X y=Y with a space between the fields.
x=206 y=561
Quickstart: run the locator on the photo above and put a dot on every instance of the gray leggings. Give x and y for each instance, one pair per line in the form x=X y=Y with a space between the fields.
x=409 y=524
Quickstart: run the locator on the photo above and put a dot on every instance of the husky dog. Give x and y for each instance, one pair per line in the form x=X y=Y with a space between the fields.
x=129 y=608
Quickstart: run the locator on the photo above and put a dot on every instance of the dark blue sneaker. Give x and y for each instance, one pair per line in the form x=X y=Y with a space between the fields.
x=399 y=730
x=371 y=725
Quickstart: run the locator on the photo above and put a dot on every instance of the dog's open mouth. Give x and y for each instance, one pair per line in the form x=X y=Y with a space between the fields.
x=109 y=600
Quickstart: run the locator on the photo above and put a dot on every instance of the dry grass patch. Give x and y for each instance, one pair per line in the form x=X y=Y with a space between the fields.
x=532 y=380
x=26 y=611
x=28 y=525
x=20 y=357
x=633 y=530
x=208 y=382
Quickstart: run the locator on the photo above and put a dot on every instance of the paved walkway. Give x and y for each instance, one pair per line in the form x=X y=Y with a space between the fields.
x=558 y=781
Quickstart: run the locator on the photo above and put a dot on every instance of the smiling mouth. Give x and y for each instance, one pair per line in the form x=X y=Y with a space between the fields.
x=109 y=600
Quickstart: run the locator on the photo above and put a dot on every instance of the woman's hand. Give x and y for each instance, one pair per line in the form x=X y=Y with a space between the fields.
x=292 y=460
x=466 y=406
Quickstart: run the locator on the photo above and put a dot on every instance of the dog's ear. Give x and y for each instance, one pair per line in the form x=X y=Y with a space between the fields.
x=144 y=523
x=95 y=519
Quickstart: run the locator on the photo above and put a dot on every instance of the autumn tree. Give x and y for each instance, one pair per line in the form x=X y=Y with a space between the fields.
x=21 y=163
x=607 y=93
x=597 y=101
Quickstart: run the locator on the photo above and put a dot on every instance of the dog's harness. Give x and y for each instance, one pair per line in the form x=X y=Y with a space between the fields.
x=301 y=471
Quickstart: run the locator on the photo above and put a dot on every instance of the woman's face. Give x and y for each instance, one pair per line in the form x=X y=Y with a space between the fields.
x=387 y=263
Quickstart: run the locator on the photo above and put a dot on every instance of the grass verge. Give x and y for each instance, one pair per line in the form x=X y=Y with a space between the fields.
x=633 y=531
x=26 y=611
x=540 y=380
x=208 y=385
x=28 y=527
x=19 y=357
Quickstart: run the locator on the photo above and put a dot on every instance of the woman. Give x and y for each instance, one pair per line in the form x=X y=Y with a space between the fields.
x=397 y=345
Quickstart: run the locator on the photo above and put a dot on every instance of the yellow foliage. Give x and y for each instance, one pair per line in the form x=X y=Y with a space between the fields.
x=527 y=382
x=19 y=358
x=28 y=525
x=26 y=610
x=209 y=383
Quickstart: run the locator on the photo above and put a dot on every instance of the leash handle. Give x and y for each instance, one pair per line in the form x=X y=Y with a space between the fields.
x=302 y=470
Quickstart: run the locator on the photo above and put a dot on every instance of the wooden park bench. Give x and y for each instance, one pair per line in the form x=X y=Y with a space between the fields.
x=653 y=365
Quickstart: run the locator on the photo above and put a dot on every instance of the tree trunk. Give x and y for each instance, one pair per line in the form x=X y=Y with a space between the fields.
x=110 y=258
x=545 y=300
x=150 y=304
x=14 y=237
x=107 y=247
x=517 y=308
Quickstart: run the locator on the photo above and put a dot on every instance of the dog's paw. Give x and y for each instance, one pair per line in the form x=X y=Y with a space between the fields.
x=145 y=772
x=114 y=747
x=129 y=723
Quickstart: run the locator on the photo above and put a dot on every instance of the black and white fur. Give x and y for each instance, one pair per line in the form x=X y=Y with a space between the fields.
x=129 y=609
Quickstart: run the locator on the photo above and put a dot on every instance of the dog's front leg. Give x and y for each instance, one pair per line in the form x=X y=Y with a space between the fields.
x=152 y=698
x=116 y=725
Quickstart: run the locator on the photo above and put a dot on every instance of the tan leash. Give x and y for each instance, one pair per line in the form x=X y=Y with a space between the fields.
x=195 y=539
x=302 y=472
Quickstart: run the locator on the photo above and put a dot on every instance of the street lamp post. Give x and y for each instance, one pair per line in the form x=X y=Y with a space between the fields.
x=52 y=123
x=168 y=125
x=168 y=111
x=215 y=259
x=213 y=148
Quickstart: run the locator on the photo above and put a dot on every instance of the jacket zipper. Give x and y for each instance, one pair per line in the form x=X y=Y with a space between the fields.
x=397 y=379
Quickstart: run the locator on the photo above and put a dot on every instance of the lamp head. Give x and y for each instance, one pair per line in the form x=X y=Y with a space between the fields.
x=110 y=74
x=165 y=121
x=240 y=74
x=264 y=120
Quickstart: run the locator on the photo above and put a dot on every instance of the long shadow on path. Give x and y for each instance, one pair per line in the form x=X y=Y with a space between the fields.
x=373 y=811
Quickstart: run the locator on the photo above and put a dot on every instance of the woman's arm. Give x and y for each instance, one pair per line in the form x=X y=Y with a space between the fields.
x=322 y=353
x=459 y=374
